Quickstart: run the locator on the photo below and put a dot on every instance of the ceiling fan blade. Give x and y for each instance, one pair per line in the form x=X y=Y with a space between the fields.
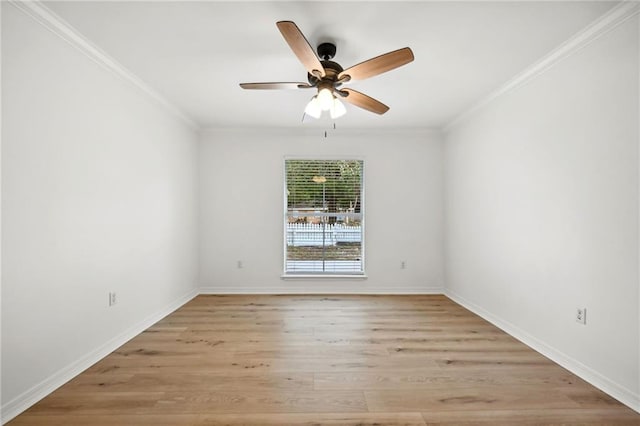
x=363 y=101
x=274 y=86
x=301 y=47
x=379 y=64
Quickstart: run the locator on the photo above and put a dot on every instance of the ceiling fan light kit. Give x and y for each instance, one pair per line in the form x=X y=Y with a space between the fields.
x=327 y=76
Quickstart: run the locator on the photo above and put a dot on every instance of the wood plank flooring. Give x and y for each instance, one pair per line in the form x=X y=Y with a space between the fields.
x=335 y=360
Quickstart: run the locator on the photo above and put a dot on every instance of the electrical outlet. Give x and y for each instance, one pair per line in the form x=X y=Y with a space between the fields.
x=112 y=298
x=403 y=265
x=239 y=264
x=581 y=315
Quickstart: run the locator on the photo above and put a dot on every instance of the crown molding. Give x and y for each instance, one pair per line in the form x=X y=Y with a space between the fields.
x=601 y=26
x=58 y=26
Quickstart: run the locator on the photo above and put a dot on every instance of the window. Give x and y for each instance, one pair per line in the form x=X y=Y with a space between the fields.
x=324 y=221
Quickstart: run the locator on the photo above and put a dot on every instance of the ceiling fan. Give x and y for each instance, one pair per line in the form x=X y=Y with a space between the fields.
x=327 y=76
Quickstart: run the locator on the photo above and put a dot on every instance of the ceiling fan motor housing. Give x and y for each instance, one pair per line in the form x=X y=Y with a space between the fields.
x=331 y=71
x=326 y=52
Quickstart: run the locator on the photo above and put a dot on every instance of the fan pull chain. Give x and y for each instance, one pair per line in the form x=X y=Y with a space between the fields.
x=326 y=133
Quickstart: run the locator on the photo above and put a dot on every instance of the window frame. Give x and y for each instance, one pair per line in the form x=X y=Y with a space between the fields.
x=324 y=275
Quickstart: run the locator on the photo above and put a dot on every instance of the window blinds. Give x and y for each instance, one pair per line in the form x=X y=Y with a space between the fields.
x=324 y=216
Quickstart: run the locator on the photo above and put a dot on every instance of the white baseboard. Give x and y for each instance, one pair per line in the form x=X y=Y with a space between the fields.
x=28 y=398
x=320 y=290
x=615 y=390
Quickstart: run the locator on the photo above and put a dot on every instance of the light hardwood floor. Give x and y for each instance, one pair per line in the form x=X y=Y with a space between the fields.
x=311 y=360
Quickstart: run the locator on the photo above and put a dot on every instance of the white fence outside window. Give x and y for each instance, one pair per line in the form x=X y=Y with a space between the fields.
x=315 y=234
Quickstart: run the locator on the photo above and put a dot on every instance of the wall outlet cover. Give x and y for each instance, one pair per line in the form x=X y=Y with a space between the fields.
x=581 y=315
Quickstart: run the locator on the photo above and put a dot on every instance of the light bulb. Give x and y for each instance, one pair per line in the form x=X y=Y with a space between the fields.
x=337 y=109
x=313 y=108
x=325 y=99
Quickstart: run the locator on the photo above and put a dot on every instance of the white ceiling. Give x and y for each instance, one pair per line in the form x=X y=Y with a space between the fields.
x=196 y=53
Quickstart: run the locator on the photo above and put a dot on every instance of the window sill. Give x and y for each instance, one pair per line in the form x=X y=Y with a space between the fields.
x=323 y=276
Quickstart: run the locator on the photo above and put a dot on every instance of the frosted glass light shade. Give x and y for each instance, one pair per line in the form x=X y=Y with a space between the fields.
x=325 y=99
x=313 y=108
x=337 y=109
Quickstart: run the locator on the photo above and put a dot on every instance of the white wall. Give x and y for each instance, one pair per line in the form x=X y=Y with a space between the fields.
x=541 y=205
x=241 y=215
x=0 y=221
x=99 y=188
